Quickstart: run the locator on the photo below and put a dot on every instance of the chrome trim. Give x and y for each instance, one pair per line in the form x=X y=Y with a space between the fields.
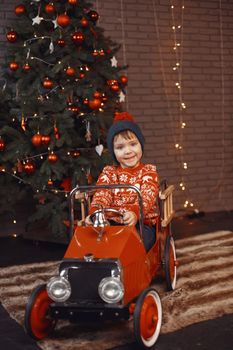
x=96 y=187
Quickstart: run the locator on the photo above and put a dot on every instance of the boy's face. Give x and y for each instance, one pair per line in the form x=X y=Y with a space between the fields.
x=127 y=149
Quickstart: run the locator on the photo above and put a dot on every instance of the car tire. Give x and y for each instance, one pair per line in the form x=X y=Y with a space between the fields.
x=37 y=322
x=170 y=263
x=147 y=318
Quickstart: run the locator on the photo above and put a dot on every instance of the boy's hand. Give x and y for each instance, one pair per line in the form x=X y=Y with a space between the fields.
x=88 y=221
x=130 y=218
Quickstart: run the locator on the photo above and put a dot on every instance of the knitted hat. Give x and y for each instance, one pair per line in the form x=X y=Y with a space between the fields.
x=123 y=121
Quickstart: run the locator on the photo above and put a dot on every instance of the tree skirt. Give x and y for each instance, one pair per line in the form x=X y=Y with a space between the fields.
x=204 y=291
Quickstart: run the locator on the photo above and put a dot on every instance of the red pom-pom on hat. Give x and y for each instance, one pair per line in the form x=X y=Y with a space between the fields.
x=122 y=116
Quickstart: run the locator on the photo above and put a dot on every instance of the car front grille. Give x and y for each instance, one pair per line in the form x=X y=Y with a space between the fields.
x=84 y=278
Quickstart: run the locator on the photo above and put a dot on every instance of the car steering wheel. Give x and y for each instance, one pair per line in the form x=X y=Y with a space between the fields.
x=99 y=216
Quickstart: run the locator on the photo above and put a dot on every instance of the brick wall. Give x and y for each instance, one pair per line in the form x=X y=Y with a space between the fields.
x=144 y=28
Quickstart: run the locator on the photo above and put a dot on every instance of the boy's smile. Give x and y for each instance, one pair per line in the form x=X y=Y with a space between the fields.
x=127 y=149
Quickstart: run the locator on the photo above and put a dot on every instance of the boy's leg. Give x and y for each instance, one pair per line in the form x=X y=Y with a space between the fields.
x=149 y=236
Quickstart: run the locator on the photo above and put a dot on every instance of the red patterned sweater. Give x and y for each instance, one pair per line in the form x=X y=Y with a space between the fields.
x=144 y=177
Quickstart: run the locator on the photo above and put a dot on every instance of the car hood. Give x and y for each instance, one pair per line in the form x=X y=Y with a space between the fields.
x=116 y=242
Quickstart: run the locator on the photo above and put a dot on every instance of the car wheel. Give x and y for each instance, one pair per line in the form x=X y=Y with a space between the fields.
x=170 y=263
x=37 y=322
x=147 y=318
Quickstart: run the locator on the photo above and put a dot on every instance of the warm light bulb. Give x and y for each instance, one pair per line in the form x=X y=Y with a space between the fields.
x=14 y=221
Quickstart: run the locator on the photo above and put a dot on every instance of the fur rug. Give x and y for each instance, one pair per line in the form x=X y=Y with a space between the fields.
x=204 y=291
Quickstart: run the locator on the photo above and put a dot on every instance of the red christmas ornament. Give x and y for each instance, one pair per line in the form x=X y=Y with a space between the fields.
x=72 y=2
x=50 y=8
x=13 y=66
x=63 y=20
x=45 y=139
x=115 y=87
x=50 y=182
x=56 y=133
x=52 y=157
x=70 y=71
x=123 y=79
x=97 y=94
x=86 y=101
x=84 y=22
x=94 y=104
x=26 y=67
x=77 y=37
x=11 y=36
x=47 y=83
x=112 y=82
x=29 y=167
x=95 y=53
x=81 y=75
x=94 y=16
x=66 y=184
x=36 y=140
x=20 y=9
x=2 y=144
x=61 y=42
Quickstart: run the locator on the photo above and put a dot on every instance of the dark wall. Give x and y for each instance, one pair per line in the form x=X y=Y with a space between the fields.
x=205 y=73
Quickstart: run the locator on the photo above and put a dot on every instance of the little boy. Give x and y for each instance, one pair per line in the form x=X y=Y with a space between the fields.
x=126 y=144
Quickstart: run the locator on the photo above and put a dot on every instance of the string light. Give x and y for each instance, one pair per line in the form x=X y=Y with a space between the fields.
x=177 y=67
x=36 y=38
x=39 y=59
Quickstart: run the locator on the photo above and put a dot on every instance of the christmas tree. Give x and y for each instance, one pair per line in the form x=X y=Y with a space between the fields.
x=60 y=88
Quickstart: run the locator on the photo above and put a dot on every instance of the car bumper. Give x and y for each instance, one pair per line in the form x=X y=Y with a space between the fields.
x=76 y=313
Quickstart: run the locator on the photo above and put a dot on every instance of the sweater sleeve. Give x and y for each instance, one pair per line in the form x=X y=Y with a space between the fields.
x=102 y=197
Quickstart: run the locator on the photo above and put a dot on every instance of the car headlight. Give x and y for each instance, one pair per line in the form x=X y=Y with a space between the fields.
x=111 y=289
x=59 y=288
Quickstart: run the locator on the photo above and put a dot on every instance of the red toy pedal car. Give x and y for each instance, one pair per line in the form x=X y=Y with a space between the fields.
x=106 y=274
